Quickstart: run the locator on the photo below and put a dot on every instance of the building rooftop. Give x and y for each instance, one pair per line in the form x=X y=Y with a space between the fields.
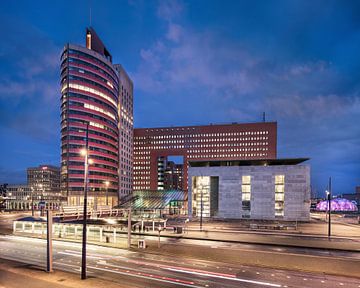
x=261 y=162
x=207 y=125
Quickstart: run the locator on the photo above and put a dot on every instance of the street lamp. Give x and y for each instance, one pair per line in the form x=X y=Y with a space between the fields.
x=328 y=193
x=32 y=201
x=201 y=207
x=85 y=153
x=107 y=183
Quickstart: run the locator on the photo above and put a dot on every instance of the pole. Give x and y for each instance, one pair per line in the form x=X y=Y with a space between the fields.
x=129 y=227
x=329 y=204
x=201 y=208
x=107 y=201
x=49 y=262
x=159 y=229
x=32 y=202
x=83 y=260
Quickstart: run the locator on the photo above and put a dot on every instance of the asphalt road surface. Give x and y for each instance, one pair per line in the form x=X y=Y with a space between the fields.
x=137 y=269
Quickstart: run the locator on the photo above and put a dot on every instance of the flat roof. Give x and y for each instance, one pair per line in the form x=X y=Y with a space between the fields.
x=260 y=162
x=210 y=125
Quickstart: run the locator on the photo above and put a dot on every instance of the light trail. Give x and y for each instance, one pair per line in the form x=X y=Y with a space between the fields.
x=151 y=277
x=205 y=273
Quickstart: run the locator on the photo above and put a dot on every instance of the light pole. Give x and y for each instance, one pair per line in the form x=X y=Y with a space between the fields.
x=49 y=259
x=86 y=162
x=32 y=201
x=329 y=205
x=201 y=207
x=107 y=183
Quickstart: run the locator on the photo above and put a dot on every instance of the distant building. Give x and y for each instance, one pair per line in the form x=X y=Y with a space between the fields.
x=44 y=179
x=198 y=143
x=170 y=174
x=173 y=176
x=22 y=197
x=276 y=189
x=18 y=197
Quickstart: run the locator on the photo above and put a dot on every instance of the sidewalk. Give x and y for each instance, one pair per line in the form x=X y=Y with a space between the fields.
x=271 y=259
x=18 y=275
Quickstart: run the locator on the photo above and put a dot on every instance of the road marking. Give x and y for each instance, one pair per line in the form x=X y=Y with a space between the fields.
x=176 y=281
x=224 y=277
x=79 y=255
x=76 y=268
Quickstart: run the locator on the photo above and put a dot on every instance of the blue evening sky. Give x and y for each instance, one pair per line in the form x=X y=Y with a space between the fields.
x=194 y=62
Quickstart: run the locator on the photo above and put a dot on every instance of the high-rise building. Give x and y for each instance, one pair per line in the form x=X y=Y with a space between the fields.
x=170 y=174
x=195 y=143
x=97 y=92
x=45 y=179
x=126 y=131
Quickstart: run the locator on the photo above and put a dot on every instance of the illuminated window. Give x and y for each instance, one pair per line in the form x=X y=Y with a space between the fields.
x=279 y=195
x=246 y=195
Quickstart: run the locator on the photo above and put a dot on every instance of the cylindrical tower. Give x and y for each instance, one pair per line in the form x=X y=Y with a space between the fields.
x=89 y=94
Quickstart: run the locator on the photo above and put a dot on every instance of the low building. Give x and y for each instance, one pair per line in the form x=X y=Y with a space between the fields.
x=276 y=189
x=18 y=197
x=23 y=197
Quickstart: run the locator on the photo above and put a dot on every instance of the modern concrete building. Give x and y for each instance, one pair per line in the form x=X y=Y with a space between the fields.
x=45 y=179
x=97 y=92
x=198 y=143
x=255 y=189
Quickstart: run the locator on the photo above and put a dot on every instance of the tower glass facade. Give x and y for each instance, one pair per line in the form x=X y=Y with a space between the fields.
x=91 y=92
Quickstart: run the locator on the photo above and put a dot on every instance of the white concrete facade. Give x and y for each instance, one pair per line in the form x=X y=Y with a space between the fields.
x=296 y=191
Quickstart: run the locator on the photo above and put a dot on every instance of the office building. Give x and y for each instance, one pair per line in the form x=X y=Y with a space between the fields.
x=97 y=92
x=195 y=143
x=276 y=189
x=44 y=179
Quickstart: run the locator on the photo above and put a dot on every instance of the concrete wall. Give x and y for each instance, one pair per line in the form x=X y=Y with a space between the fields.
x=297 y=190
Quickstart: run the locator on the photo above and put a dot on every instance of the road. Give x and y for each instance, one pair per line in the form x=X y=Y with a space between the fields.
x=135 y=269
x=257 y=247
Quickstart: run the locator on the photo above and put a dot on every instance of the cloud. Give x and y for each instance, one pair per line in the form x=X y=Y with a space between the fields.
x=169 y=9
x=213 y=77
x=317 y=107
x=174 y=32
x=29 y=87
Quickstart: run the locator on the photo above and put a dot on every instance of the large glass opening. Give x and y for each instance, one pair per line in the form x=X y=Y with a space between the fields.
x=246 y=195
x=279 y=195
x=205 y=194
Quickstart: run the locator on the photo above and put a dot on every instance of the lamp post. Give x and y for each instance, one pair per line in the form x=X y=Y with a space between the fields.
x=107 y=183
x=86 y=162
x=32 y=201
x=329 y=205
x=201 y=207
